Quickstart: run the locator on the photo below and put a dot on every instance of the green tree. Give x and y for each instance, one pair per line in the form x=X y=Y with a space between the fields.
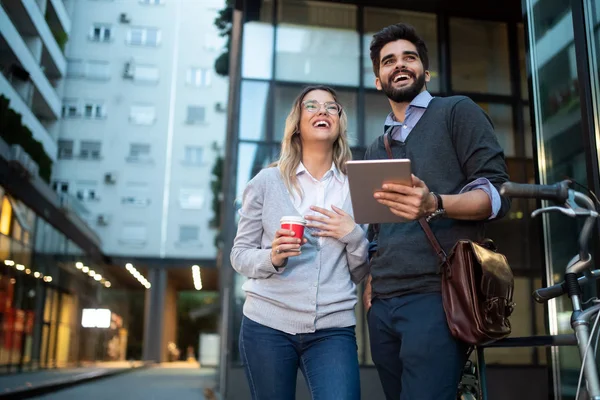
x=224 y=23
x=12 y=131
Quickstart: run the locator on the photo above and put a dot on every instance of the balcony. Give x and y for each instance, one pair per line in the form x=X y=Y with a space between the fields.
x=31 y=24
x=58 y=17
x=29 y=119
x=44 y=99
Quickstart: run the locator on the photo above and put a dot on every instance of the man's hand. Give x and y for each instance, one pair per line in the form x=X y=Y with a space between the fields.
x=410 y=203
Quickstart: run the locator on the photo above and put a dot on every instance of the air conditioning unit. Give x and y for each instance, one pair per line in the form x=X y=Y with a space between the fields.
x=220 y=107
x=124 y=18
x=128 y=70
x=110 y=178
x=102 y=219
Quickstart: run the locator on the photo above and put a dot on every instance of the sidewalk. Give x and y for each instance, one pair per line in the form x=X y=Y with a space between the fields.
x=27 y=384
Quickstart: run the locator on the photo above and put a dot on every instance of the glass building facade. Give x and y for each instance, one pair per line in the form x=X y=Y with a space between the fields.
x=46 y=282
x=526 y=65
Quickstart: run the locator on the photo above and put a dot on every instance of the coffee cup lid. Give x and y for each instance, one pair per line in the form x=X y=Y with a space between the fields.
x=293 y=218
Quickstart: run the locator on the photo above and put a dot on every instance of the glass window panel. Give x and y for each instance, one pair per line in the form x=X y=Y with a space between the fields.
x=377 y=108
x=425 y=25
x=522 y=61
x=528 y=132
x=142 y=114
x=257 y=50
x=285 y=96
x=561 y=150
x=317 y=42
x=594 y=51
x=253 y=110
x=488 y=71
x=501 y=116
x=252 y=157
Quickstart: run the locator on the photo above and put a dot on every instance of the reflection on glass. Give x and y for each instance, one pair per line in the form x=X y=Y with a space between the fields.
x=252 y=157
x=425 y=25
x=560 y=148
x=317 y=42
x=522 y=61
x=479 y=56
x=501 y=116
x=257 y=50
x=253 y=110
x=593 y=7
x=377 y=108
x=285 y=96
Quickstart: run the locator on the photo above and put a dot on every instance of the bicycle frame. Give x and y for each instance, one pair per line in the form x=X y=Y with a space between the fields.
x=577 y=205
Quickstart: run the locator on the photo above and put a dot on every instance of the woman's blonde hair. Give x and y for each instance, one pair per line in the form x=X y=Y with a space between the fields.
x=291 y=145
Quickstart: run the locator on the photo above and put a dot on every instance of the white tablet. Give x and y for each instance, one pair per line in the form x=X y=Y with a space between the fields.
x=365 y=177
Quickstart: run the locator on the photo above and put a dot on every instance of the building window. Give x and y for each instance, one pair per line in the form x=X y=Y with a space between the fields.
x=198 y=76
x=101 y=33
x=65 y=149
x=70 y=108
x=142 y=114
x=189 y=234
x=139 y=152
x=94 y=110
x=89 y=150
x=98 y=70
x=87 y=191
x=60 y=186
x=191 y=198
x=135 y=201
x=93 y=69
x=133 y=233
x=144 y=36
x=145 y=73
x=193 y=155
x=75 y=68
x=195 y=115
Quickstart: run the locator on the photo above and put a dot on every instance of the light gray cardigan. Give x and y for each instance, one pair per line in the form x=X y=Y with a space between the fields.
x=315 y=290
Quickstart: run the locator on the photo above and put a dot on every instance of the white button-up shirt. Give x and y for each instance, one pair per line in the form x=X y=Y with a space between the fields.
x=332 y=188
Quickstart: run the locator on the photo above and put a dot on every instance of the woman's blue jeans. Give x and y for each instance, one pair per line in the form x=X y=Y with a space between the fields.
x=327 y=358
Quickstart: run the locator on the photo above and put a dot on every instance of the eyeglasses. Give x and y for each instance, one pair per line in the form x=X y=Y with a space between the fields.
x=312 y=106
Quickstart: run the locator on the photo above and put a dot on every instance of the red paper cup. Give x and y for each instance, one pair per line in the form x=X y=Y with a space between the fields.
x=294 y=223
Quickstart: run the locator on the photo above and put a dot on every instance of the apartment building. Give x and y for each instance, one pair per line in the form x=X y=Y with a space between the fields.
x=143 y=114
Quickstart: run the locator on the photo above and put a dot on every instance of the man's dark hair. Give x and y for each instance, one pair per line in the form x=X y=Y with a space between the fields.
x=391 y=34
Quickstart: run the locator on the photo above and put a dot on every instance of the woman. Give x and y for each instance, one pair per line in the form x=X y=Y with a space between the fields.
x=300 y=298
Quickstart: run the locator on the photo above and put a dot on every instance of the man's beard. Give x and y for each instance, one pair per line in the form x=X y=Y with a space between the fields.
x=405 y=94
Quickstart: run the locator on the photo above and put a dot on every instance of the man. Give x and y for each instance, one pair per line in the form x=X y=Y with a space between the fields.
x=458 y=167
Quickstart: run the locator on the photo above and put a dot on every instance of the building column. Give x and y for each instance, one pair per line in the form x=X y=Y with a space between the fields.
x=160 y=321
x=154 y=314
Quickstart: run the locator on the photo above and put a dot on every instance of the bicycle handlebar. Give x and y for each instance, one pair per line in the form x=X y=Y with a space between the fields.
x=548 y=293
x=558 y=192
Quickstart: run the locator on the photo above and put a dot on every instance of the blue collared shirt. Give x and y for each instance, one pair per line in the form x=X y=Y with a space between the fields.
x=401 y=130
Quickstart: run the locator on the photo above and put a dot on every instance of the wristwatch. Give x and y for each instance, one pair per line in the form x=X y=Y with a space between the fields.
x=439 y=211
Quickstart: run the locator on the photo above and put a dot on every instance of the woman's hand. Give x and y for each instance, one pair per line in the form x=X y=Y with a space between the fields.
x=335 y=224
x=285 y=245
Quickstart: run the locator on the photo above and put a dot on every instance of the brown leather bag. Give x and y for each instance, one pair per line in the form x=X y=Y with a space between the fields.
x=477 y=286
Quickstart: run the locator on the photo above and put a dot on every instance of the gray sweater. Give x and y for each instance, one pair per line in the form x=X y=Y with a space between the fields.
x=452 y=145
x=317 y=289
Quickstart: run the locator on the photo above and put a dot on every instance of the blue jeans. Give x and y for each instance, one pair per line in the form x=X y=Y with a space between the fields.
x=327 y=358
x=415 y=354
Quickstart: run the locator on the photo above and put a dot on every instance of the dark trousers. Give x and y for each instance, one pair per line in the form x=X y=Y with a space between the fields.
x=416 y=356
x=328 y=360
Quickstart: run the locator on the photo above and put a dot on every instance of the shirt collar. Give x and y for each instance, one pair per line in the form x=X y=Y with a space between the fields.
x=422 y=100
x=334 y=170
